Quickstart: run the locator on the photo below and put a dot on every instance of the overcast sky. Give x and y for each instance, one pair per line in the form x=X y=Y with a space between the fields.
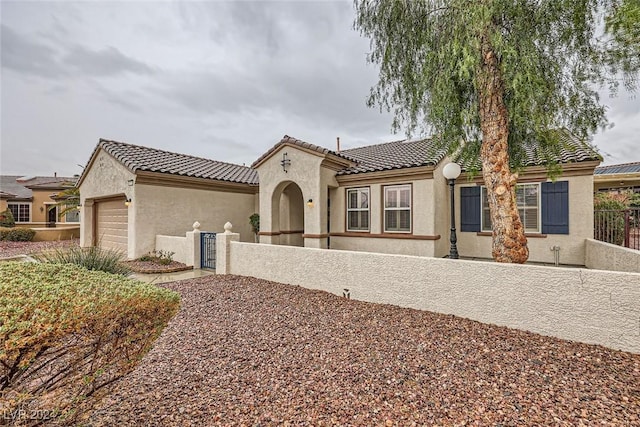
x=221 y=80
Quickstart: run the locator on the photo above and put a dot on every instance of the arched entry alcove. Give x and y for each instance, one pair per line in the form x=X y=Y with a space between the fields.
x=288 y=213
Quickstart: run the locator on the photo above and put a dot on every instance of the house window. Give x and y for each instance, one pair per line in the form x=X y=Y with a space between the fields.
x=358 y=209
x=72 y=216
x=21 y=211
x=397 y=208
x=528 y=201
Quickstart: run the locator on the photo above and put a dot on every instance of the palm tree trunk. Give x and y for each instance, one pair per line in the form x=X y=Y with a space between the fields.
x=509 y=241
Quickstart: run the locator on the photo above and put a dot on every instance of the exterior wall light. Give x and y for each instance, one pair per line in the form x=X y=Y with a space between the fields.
x=285 y=162
x=130 y=183
x=127 y=202
x=451 y=171
x=310 y=203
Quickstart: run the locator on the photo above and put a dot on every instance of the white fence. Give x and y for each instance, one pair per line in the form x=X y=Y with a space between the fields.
x=591 y=306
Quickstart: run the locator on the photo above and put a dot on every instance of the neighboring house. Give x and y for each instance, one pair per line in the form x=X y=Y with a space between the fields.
x=32 y=200
x=129 y=194
x=389 y=198
x=617 y=178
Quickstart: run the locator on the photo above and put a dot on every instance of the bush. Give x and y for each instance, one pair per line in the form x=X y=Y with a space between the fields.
x=159 y=257
x=93 y=258
x=17 y=234
x=66 y=334
x=6 y=219
x=609 y=217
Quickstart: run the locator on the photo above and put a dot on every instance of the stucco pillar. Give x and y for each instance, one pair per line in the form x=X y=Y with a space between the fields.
x=86 y=224
x=223 y=249
x=193 y=246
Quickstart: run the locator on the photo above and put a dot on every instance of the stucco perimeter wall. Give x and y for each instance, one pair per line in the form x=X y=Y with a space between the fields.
x=175 y=244
x=169 y=211
x=590 y=306
x=572 y=247
x=605 y=256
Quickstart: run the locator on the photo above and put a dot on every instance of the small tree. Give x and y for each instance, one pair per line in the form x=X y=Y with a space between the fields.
x=254 y=220
x=67 y=201
x=6 y=219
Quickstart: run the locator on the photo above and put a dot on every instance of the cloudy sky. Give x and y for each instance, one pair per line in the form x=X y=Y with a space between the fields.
x=221 y=80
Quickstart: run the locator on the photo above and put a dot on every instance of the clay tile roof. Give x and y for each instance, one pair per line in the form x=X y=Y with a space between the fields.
x=618 y=169
x=394 y=155
x=299 y=143
x=138 y=158
x=573 y=151
x=19 y=187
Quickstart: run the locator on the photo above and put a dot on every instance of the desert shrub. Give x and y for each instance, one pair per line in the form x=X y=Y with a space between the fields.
x=92 y=258
x=66 y=334
x=147 y=257
x=17 y=234
x=6 y=218
x=165 y=257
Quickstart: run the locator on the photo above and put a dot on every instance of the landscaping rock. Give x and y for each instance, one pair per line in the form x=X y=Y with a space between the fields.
x=244 y=351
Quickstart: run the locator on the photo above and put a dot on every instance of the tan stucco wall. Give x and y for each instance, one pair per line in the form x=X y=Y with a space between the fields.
x=66 y=232
x=591 y=306
x=430 y=217
x=105 y=178
x=307 y=172
x=572 y=245
x=605 y=256
x=171 y=211
x=383 y=245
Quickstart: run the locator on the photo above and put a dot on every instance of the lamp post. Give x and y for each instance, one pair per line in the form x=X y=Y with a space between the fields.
x=451 y=171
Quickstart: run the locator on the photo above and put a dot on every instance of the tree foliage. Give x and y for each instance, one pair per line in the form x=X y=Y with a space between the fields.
x=429 y=53
x=622 y=26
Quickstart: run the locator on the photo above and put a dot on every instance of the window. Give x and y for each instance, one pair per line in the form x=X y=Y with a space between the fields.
x=21 y=211
x=528 y=201
x=72 y=216
x=397 y=208
x=358 y=209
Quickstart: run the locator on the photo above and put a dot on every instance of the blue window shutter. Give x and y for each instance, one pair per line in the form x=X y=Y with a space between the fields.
x=469 y=208
x=555 y=207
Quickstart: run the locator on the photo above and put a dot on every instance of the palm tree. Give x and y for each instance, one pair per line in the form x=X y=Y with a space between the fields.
x=66 y=201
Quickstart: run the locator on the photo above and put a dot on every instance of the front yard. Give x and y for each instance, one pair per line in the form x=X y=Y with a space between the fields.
x=243 y=351
x=11 y=249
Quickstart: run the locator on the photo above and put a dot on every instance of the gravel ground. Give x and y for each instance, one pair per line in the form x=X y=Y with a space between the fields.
x=10 y=249
x=244 y=351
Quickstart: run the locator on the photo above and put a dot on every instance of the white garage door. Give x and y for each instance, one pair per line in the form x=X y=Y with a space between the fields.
x=111 y=225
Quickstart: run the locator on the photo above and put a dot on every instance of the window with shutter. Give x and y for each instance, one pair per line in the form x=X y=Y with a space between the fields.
x=470 y=209
x=555 y=207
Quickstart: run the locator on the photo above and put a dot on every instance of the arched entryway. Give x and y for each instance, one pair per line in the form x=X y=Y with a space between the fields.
x=288 y=214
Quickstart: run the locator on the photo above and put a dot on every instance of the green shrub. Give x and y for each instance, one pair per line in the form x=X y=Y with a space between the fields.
x=93 y=258
x=6 y=219
x=609 y=217
x=17 y=234
x=66 y=334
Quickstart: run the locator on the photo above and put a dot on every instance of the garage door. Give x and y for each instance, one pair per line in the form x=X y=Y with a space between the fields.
x=111 y=225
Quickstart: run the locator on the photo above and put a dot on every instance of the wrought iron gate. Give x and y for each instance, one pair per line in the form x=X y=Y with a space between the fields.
x=208 y=250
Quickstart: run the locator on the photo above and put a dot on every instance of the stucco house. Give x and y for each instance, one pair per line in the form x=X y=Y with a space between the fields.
x=388 y=198
x=32 y=200
x=129 y=194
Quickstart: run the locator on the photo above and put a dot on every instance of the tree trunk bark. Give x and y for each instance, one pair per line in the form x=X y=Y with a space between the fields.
x=509 y=241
